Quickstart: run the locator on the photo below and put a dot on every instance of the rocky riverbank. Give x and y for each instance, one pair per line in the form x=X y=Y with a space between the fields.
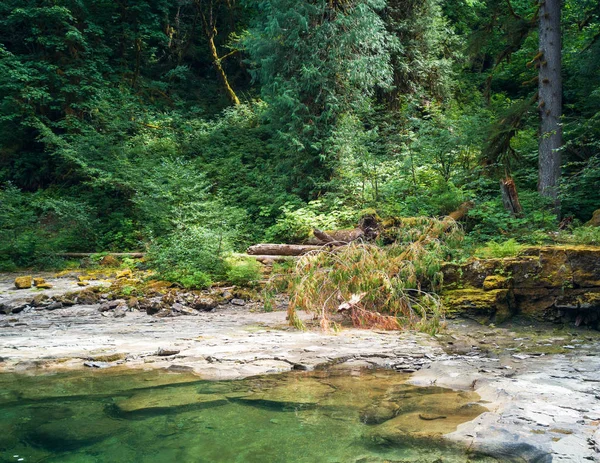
x=539 y=383
x=549 y=283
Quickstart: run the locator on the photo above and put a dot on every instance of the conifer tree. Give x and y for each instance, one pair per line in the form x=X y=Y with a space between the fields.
x=550 y=99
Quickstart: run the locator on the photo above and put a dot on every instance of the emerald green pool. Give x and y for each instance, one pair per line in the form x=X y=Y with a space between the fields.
x=131 y=416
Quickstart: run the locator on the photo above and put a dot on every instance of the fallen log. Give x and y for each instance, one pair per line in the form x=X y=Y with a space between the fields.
x=268 y=249
x=336 y=237
x=323 y=236
x=462 y=211
x=265 y=259
x=135 y=255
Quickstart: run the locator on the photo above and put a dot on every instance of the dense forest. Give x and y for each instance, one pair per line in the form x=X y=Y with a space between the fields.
x=193 y=128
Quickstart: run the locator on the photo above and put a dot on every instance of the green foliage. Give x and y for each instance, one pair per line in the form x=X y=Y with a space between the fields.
x=316 y=61
x=491 y=220
x=34 y=225
x=492 y=249
x=190 y=256
x=243 y=271
x=296 y=224
x=582 y=235
x=115 y=133
x=580 y=192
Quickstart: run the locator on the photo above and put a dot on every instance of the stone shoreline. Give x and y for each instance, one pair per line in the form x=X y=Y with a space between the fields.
x=543 y=394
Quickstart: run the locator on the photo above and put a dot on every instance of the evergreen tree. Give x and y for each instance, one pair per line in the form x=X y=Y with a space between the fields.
x=316 y=60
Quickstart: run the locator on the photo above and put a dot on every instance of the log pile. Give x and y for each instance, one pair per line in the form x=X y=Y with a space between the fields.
x=368 y=229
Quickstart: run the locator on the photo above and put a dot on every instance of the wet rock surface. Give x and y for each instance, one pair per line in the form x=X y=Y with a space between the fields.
x=540 y=385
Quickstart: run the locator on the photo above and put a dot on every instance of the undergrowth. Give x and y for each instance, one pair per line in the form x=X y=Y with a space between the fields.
x=493 y=249
x=582 y=235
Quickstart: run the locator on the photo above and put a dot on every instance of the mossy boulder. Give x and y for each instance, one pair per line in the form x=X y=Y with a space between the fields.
x=495 y=305
x=87 y=297
x=549 y=283
x=583 y=300
x=471 y=274
x=595 y=220
x=43 y=286
x=492 y=282
x=126 y=273
x=109 y=261
x=23 y=282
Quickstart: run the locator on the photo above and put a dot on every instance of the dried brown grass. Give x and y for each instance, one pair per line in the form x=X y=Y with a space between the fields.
x=388 y=288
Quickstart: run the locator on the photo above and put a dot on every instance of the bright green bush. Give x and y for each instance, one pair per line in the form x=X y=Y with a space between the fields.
x=490 y=221
x=493 y=249
x=243 y=271
x=296 y=224
x=190 y=256
x=35 y=226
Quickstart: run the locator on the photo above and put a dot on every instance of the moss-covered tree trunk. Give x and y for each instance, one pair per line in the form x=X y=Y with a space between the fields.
x=210 y=28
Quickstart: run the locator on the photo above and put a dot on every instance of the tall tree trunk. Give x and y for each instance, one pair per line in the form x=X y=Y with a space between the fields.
x=550 y=100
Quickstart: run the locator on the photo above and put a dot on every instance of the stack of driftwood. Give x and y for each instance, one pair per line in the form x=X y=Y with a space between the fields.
x=368 y=229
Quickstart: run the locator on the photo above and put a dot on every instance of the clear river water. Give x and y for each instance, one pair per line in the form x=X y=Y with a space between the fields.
x=364 y=416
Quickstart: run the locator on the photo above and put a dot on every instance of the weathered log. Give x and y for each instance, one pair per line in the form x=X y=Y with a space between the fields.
x=462 y=210
x=266 y=259
x=135 y=255
x=267 y=249
x=323 y=236
x=335 y=237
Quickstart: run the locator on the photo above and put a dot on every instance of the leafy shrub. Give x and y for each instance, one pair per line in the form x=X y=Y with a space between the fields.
x=190 y=256
x=188 y=278
x=509 y=248
x=243 y=271
x=34 y=226
x=492 y=222
x=295 y=224
x=582 y=235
